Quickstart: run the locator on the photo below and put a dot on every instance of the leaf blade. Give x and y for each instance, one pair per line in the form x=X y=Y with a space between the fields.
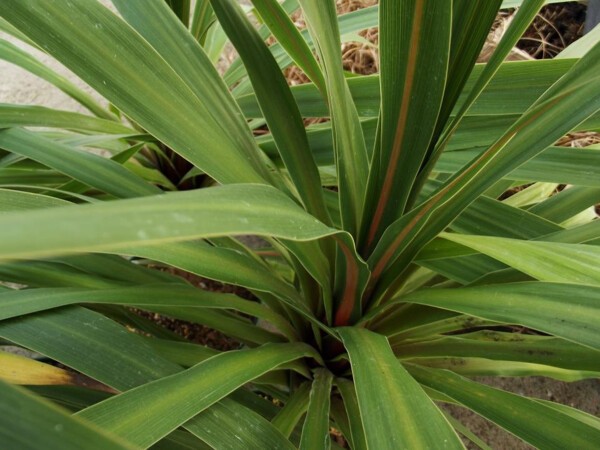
x=143 y=415
x=532 y=304
x=541 y=426
x=30 y=422
x=379 y=378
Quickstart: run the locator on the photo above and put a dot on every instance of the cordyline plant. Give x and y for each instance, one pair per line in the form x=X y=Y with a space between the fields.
x=391 y=270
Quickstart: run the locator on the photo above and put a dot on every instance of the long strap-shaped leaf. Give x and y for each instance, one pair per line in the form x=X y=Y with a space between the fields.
x=229 y=425
x=15 y=55
x=234 y=209
x=560 y=111
x=288 y=36
x=351 y=154
x=480 y=367
x=166 y=34
x=315 y=432
x=121 y=359
x=356 y=434
x=11 y=200
x=21 y=302
x=568 y=311
x=530 y=420
x=278 y=105
x=555 y=165
x=29 y=423
x=289 y=416
x=348 y=23
x=471 y=23
x=395 y=411
x=129 y=72
x=577 y=264
x=226 y=210
x=520 y=23
x=39 y=116
x=567 y=203
x=514 y=88
x=49 y=274
x=181 y=9
x=91 y=344
x=146 y=414
x=91 y=169
x=501 y=346
x=414 y=46
x=195 y=257
x=202 y=18
x=223 y=264
x=17 y=369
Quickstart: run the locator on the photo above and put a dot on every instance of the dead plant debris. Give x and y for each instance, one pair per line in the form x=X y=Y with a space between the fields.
x=554 y=28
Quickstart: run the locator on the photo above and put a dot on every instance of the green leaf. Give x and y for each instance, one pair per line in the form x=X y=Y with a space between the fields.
x=348 y=23
x=123 y=360
x=395 y=411
x=202 y=18
x=228 y=424
x=236 y=209
x=70 y=335
x=545 y=261
x=184 y=354
x=228 y=323
x=415 y=47
x=288 y=36
x=464 y=431
x=567 y=203
x=221 y=264
x=21 y=302
x=504 y=347
x=357 y=432
x=554 y=165
x=39 y=116
x=480 y=367
x=351 y=155
x=73 y=398
x=88 y=168
x=225 y=265
x=575 y=413
x=181 y=8
x=514 y=88
x=471 y=23
x=566 y=310
x=315 y=432
x=15 y=55
x=32 y=423
x=117 y=268
x=518 y=25
x=540 y=425
x=278 y=106
x=566 y=104
x=19 y=201
x=145 y=414
x=51 y=274
x=289 y=416
x=130 y=73
x=584 y=234
x=517 y=3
